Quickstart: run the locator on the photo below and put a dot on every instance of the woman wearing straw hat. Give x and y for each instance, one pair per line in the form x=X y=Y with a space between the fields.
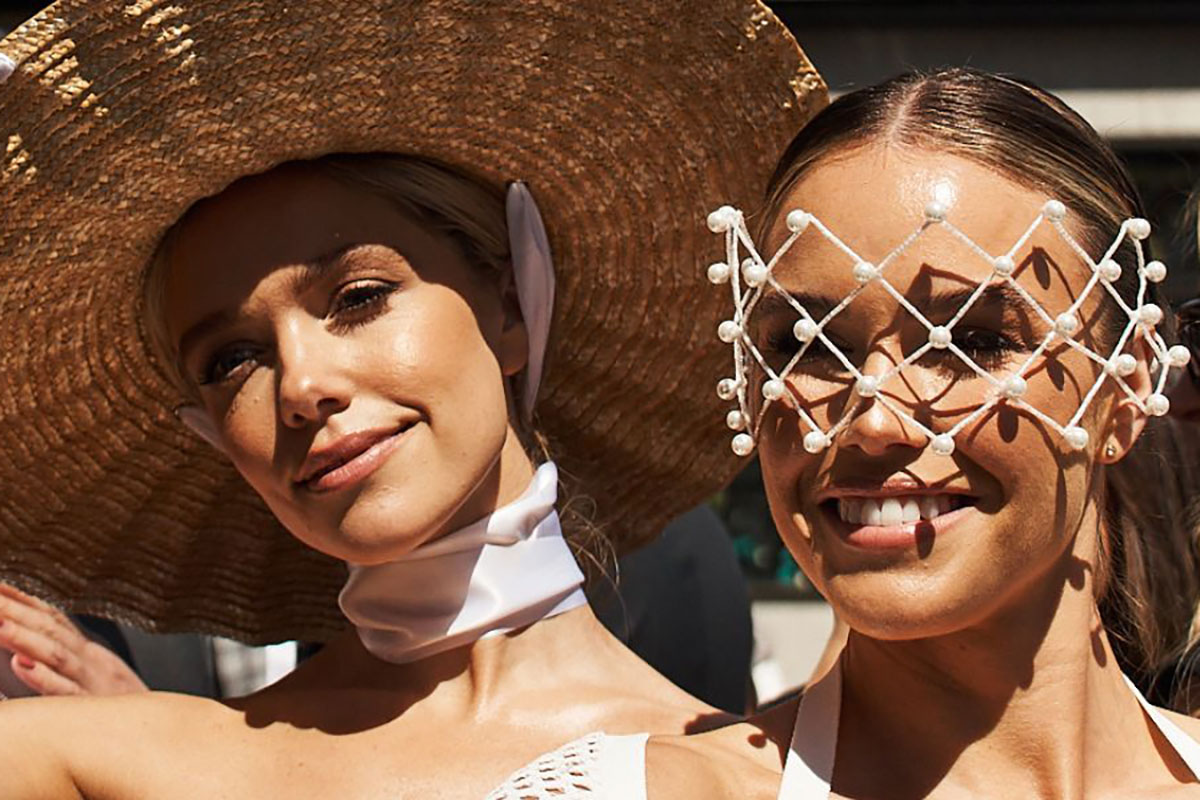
x=286 y=225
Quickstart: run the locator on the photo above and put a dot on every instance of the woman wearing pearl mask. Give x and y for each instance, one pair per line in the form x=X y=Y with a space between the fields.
x=289 y=225
x=945 y=331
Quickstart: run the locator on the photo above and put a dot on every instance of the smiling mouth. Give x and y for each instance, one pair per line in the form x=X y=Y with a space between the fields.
x=896 y=510
x=352 y=459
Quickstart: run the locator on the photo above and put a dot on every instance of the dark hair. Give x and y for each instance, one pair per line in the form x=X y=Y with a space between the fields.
x=1149 y=577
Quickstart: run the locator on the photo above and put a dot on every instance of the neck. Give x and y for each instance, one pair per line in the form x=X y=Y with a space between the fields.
x=1030 y=699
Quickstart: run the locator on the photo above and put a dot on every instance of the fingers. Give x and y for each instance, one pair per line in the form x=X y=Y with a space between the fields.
x=58 y=655
x=42 y=679
x=37 y=615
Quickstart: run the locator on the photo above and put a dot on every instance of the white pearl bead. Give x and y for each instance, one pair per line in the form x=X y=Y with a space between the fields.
x=743 y=444
x=1179 y=356
x=1157 y=405
x=1138 y=228
x=939 y=337
x=942 y=444
x=1066 y=324
x=719 y=272
x=815 y=441
x=1124 y=365
x=735 y=420
x=722 y=219
x=805 y=330
x=1150 y=314
x=865 y=273
x=1156 y=271
x=773 y=389
x=1054 y=211
x=729 y=331
x=867 y=386
x=1014 y=387
x=935 y=211
x=1004 y=266
x=7 y=67
x=1076 y=437
x=798 y=220
x=755 y=274
x=1110 y=270
x=727 y=388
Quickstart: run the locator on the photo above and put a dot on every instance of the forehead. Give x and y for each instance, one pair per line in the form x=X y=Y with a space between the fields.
x=266 y=225
x=874 y=198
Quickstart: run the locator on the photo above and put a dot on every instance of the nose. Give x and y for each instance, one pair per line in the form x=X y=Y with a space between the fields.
x=313 y=383
x=874 y=427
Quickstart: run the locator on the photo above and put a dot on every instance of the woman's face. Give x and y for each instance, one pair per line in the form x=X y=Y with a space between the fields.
x=352 y=363
x=906 y=543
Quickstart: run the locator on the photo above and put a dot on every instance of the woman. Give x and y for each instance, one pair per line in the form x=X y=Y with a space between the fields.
x=287 y=223
x=937 y=372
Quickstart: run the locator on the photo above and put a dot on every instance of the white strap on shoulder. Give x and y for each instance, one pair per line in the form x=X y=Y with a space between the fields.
x=808 y=770
x=1187 y=747
x=621 y=767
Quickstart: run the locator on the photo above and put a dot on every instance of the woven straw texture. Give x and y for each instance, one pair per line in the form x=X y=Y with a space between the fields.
x=627 y=119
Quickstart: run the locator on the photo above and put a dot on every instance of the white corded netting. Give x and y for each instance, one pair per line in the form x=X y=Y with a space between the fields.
x=750 y=277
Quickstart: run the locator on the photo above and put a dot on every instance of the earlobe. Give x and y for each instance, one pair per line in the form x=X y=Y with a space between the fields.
x=1128 y=416
x=201 y=424
x=514 y=337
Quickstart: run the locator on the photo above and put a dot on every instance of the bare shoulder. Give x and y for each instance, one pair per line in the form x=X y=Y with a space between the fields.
x=743 y=760
x=72 y=747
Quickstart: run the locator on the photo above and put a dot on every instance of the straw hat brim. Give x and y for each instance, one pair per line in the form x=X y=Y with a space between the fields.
x=629 y=121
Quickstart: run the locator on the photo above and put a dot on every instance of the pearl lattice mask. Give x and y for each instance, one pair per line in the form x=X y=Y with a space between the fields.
x=750 y=277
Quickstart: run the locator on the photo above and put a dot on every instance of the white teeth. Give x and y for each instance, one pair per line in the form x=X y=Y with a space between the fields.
x=891 y=512
x=902 y=510
x=929 y=507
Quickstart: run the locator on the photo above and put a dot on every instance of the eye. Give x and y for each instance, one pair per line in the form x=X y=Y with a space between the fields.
x=360 y=301
x=782 y=345
x=987 y=348
x=228 y=362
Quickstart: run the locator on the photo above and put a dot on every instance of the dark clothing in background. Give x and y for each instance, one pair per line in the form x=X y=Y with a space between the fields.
x=684 y=608
x=169 y=662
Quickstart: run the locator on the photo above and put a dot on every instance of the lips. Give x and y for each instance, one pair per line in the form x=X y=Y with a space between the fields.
x=348 y=458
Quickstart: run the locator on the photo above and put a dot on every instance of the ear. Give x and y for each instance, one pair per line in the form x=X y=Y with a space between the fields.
x=1126 y=418
x=201 y=424
x=513 y=347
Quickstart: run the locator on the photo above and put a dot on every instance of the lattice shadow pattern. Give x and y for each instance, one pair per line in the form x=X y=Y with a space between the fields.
x=750 y=276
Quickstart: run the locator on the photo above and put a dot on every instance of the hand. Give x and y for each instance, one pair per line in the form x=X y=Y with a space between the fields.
x=52 y=657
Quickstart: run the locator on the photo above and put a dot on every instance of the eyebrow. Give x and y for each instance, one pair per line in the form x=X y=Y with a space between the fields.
x=945 y=303
x=211 y=323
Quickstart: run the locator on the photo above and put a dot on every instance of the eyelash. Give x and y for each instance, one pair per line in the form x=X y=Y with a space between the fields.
x=986 y=348
x=353 y=305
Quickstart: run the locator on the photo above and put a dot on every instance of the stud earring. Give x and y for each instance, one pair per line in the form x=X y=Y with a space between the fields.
x=1110 y=451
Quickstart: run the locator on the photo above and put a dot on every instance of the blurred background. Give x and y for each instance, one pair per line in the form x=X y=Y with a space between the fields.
x=1131 y=69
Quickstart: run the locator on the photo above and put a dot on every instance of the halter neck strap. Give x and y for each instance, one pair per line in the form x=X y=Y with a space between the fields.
x=808 y=769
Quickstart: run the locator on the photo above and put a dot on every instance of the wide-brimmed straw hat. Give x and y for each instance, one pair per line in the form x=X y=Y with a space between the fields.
x=628 y=120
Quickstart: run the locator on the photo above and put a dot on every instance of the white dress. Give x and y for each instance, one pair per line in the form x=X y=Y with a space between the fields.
x=600 y=767
x=593 y=767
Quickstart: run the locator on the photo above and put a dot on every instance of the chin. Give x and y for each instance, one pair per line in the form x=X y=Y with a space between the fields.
x=917 y=605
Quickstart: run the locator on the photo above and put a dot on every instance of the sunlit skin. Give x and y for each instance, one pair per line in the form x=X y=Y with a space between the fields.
x=395 y=333
x=976 y=663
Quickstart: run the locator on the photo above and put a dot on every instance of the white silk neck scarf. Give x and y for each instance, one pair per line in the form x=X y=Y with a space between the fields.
x=508 y=570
